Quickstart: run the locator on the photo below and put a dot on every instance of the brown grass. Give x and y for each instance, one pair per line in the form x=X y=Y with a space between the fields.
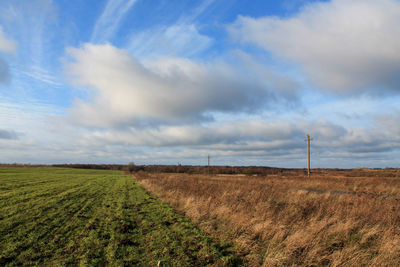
x=336 y=218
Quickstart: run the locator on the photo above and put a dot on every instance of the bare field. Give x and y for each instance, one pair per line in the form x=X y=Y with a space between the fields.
x=336 y=217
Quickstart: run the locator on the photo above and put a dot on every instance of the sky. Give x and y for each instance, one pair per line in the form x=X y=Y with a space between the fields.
x=170 y=82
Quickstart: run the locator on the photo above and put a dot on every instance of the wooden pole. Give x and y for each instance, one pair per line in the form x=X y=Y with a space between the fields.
x=208 y=169
x=308 y=153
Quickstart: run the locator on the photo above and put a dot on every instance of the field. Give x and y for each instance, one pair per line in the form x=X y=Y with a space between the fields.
x=55 y=216
x=335 y=218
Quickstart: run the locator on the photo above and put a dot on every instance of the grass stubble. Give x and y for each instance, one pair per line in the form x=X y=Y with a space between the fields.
x=56 y=217
x=335 y=218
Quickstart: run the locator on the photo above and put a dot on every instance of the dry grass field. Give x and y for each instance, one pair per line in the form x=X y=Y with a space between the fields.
x=336 y=217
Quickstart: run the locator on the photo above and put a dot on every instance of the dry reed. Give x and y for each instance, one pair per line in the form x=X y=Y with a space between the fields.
x=334 y=218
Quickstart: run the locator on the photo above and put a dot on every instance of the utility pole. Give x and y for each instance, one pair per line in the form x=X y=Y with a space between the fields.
x=308 y=153
x=208 y=169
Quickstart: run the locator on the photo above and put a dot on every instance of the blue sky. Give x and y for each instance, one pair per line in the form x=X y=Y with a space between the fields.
x=167 y=82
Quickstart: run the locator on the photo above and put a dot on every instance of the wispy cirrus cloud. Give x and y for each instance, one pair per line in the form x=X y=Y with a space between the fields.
x=42 y=75
x=31 y=24
x=182 y=40
x=195 y=13
x=109 y=20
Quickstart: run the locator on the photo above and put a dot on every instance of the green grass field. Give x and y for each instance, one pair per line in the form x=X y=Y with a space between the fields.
x=54 y=216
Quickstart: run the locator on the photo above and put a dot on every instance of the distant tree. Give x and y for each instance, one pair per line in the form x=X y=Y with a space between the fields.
x=131 y=167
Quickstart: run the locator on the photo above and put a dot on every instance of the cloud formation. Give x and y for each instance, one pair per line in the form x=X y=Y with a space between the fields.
x=7 y=134
x=228 y=133
x=343 y=46
x=179 y=39
x=259 y=139
x=163 y=90
x=237 y=135
x=182 y=38
x=109 y=20
x=6 y=46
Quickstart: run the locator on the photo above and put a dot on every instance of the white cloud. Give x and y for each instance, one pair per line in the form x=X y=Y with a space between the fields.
x=6 y=45
x=164 y=90
x=109 y=20
x=344 y=46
